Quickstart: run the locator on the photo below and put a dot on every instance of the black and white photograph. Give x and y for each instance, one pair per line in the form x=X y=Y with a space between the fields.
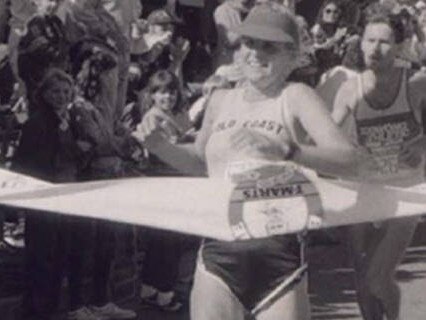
x=213 y=159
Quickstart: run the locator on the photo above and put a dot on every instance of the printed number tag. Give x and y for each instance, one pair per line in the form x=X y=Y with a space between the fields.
x=271 y=200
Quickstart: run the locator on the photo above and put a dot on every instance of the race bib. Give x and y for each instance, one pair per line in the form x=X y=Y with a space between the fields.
x=271 y=199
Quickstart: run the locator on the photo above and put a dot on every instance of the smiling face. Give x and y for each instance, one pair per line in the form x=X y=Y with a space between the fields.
x=165 y=99
x=378 y=46
x=330 y=13
x=265 y=62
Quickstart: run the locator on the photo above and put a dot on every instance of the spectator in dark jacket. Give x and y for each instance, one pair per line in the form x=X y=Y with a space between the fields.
x=49 y=151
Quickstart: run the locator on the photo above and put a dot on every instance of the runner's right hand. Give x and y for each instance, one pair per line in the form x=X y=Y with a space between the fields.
x=152 y=132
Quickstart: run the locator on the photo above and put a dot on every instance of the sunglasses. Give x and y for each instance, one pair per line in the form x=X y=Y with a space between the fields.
x=330 y=11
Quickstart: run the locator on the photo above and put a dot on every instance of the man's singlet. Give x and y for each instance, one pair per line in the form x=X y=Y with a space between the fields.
x=383 y=133
x=252 y=268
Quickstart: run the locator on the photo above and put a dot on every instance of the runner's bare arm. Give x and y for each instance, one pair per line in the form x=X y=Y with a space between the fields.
x=332 y=154
x=413 y=151
x=187 y=158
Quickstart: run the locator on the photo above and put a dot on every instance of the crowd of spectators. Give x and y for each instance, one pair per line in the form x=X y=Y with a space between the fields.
x=78 y=76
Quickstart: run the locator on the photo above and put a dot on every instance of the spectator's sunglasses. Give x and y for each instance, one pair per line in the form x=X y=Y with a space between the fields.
x=331 y=10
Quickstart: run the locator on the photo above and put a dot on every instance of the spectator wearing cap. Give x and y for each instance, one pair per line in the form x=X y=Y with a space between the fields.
x=227 y=16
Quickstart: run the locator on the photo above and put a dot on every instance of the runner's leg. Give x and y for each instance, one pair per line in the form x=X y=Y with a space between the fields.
x=212 y=300
x=294 y=304
x=364 y=238
x=384 y=262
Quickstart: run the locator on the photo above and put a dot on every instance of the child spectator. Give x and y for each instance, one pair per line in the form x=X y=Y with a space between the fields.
x=165 y=104
x=169 y=257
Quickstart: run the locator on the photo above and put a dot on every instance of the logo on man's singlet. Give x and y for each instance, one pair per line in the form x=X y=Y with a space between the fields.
x=384 y=138
x=270 y=200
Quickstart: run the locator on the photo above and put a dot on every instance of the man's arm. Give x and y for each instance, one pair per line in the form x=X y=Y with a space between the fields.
x=332 y=153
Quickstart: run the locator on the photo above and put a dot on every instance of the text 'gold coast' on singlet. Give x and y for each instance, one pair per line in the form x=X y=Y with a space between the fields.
x=265 y=117
x=384 y=132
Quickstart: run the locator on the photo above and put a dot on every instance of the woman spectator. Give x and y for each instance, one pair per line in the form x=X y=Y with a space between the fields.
x=166 y=105
x=329 y=34
x=228 y=282
x=167 y=252
x=382 y=109
x=49 y=151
